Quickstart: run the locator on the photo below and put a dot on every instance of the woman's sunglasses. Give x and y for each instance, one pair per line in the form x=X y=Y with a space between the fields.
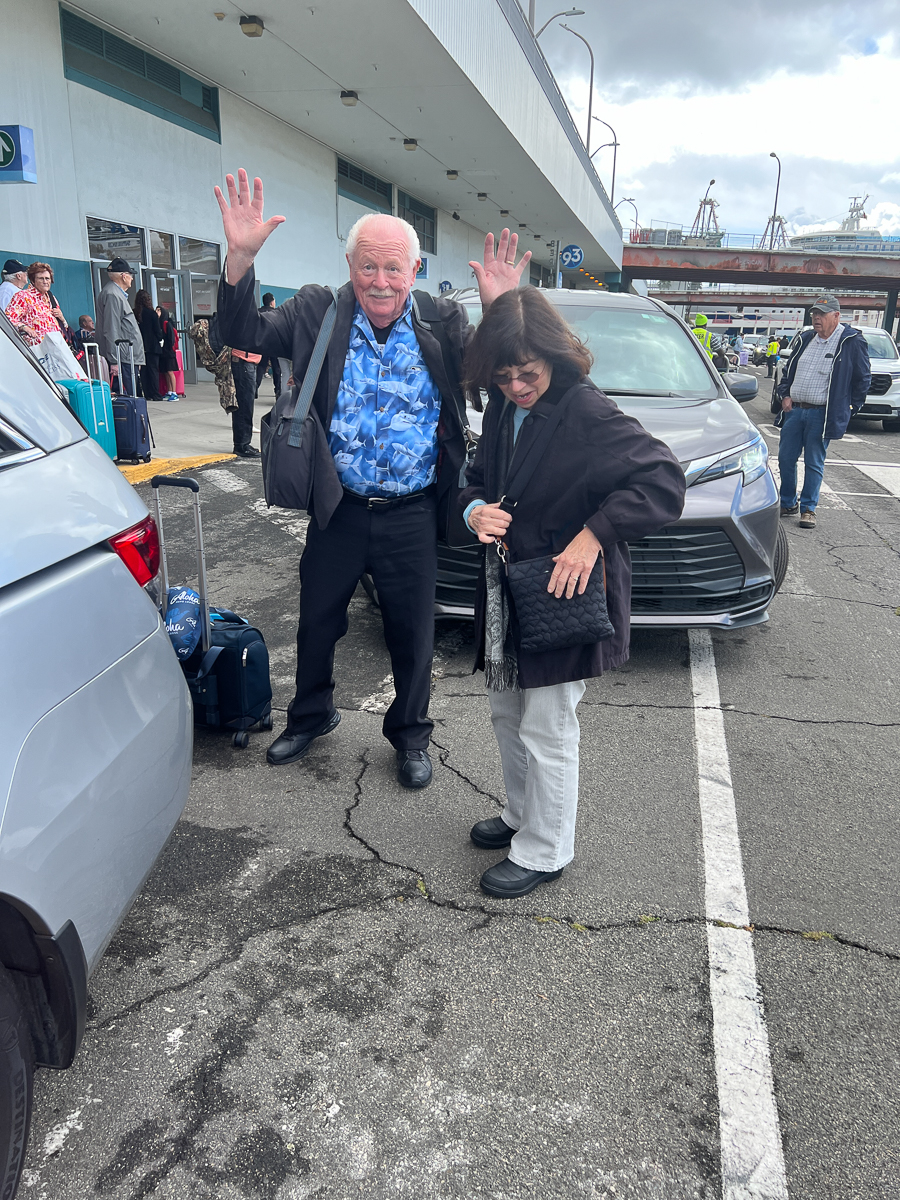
x=529 y=378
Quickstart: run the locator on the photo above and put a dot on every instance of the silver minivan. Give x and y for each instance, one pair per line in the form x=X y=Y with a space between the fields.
x=95 y=751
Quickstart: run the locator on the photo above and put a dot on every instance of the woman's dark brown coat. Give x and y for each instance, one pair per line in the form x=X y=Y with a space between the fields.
x=601 y=469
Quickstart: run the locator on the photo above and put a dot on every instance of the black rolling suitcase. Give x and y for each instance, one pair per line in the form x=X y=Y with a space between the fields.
x=132 y=422
x=228 y=673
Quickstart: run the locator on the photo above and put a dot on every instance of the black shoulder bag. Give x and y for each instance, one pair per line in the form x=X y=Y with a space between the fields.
x=545 y=622
x=291 y=434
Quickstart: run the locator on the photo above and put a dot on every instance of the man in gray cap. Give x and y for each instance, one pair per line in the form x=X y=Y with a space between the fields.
x=824 y=385
x=15 y=277
x=116 y=322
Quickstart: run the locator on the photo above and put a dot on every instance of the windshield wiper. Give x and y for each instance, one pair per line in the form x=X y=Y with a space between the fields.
x=637 y=392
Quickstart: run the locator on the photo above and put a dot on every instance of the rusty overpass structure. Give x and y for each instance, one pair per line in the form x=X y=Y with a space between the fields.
x=768 y=268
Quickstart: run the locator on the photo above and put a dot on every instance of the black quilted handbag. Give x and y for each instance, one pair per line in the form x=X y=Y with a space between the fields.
x=548 y=623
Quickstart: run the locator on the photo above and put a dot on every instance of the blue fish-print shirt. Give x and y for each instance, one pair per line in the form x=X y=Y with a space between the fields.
x=384 y=429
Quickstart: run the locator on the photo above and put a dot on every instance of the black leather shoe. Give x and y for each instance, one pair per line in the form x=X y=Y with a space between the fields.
x=246 y=452
x=507 y=879
x=414 y=768
x=491 y=834
x=291 y=746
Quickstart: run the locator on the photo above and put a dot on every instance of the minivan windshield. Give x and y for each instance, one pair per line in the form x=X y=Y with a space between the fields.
x=640 y=353
x=881 y=344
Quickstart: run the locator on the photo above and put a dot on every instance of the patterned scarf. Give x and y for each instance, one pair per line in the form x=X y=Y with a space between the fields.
x=501 y=672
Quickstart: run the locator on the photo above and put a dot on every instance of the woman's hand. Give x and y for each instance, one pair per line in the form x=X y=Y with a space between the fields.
x=489 y=521
x=242 y=220
x=573 y=567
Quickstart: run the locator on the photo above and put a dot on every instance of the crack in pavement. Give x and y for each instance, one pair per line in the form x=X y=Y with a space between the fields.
x=839 y=599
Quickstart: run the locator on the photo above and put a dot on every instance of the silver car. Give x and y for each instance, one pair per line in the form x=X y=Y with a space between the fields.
x=883 y=401
x=95 y=756
x=721 y=563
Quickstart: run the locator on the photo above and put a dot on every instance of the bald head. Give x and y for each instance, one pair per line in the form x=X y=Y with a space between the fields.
x=383 y=256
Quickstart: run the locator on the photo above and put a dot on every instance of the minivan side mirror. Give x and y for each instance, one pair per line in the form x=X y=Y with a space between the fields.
x=742 y=387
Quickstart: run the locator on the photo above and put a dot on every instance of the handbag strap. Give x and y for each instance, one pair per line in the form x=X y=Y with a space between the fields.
x=313 y=370
x=527 y=467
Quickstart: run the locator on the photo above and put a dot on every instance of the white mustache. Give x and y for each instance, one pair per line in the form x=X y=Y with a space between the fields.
x=378 y=295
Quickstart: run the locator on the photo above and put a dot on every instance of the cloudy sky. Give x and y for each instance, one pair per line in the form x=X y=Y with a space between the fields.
x=696 y=92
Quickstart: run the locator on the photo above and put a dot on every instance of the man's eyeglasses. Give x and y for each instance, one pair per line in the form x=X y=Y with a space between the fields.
x=529 y=378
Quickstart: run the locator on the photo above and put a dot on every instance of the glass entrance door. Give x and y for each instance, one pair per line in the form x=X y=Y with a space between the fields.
x=171 y=289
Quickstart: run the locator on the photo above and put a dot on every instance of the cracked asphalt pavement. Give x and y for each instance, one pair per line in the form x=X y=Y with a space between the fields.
x=312 y=998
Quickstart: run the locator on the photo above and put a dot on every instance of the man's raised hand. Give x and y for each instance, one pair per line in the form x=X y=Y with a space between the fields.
x=500 y=272
x=242 y=219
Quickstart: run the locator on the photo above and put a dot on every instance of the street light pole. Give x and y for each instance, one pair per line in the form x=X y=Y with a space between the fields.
x=569 y=12
x=629 y=200
x=615 y=145
x=590 y=86
x=775 y=209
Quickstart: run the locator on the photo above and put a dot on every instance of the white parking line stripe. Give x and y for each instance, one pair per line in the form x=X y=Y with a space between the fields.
x=750 y=1134
x=225 y=481
x=882 y=475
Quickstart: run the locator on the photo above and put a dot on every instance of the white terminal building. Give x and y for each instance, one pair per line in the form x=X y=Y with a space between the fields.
x=440 y=111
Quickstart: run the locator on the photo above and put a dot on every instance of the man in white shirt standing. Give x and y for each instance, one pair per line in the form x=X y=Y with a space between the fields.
x=824 y=385
x=15 y=277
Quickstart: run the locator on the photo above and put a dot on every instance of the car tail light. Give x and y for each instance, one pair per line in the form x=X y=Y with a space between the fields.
x=138 y=548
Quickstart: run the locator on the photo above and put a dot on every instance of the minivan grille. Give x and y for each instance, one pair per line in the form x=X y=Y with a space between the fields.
x=690 y=569
x=880 y=385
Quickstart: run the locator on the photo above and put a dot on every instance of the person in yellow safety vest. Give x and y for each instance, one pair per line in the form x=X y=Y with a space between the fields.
x=703 y=335
x=773 y=351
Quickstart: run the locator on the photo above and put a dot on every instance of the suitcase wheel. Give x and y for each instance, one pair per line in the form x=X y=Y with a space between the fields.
x=267 y=722
x=146 y=458
x=241 y=740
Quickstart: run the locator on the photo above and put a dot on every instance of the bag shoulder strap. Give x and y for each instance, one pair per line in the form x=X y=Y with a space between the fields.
x=527 y=467
x=426 y=312
x=313 y=371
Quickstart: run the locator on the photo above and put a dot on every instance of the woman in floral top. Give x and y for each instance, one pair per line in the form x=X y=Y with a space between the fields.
x=31 y=310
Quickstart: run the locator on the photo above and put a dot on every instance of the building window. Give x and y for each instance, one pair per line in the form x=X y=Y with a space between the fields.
x=109 y=64
x=162 y=249
x=422 y=218
x=112 y=239
x=198 y=256
x=354 y=183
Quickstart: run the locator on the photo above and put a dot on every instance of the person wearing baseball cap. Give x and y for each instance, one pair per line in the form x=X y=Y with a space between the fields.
x=824 y=385
x=116 y=322
x=15 y=277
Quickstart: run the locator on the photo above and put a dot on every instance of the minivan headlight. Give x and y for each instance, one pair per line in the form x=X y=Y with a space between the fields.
x=751 y=460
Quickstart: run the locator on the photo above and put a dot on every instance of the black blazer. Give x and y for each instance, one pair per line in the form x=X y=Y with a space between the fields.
x=151 y=332
x=601 y=469
x=290 y=331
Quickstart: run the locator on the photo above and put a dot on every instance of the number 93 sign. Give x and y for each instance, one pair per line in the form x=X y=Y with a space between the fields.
x=571 y=256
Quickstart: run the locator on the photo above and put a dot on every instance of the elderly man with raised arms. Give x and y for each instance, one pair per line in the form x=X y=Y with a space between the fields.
x=388 y=397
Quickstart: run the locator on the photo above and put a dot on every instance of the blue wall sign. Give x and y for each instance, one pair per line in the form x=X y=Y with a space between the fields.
x=17 y=154
x=446 y=286
x=571 y=256
x=422 y=272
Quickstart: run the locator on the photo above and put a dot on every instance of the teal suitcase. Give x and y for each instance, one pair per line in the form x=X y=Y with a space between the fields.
x=91 y=400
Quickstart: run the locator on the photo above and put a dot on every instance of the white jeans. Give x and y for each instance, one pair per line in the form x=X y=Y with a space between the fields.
x=537 y=732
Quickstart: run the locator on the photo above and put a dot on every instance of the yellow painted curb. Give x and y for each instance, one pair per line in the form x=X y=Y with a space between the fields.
x=141 y=472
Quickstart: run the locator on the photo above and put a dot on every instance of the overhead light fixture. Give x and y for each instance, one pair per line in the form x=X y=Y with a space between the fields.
x=537 y=237
x=504 y=212
x=252 y=26
x=523 y=226
x=350 y=99
x=410 y=143
x=453 y=174
x=219 y=16
x=455 y=216
x=482 y=195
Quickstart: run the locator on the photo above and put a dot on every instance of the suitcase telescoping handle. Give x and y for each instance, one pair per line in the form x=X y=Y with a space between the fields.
x=120 y=342
x=156 y=483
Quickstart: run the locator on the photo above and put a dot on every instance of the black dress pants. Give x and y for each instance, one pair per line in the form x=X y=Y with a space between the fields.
x=397 y=545
x=262 y=366
x=150 y=376
x=244 y=375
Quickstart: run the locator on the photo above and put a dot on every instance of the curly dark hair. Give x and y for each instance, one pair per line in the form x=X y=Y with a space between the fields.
x=519 y=327
x=141 y=301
